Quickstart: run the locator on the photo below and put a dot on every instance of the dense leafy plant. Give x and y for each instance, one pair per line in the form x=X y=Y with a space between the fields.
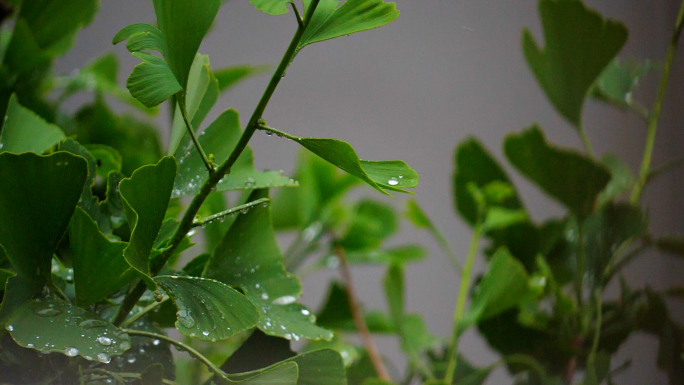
x=94 y=219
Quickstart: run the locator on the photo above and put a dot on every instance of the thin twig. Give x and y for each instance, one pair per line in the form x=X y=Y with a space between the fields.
x=142 y=312
x=654 y=117
x=300 y=22
x=586 y=142
x=207 y=163
x=234 y=210
x=359 y=320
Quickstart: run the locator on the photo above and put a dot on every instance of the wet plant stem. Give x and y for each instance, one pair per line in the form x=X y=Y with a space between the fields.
x=359 y=320
x=209 y=185
x=142 y=312
x=233 y=211
x=654 y=117
x=466 y=278
x=183 y=346
x=191 y=131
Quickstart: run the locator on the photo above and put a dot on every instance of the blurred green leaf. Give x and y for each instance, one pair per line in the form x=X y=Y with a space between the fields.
x=621 y=181
x=249 y=257
x=673 y=244
x=567 y=176
x=271 y=7
x=100 y=269
x=332 y=20
x=219 y=139
x=230 y=76
x=52 y=325
x=45 y=201
x=346 y=350
x=208 y=309
x=619 y=80
x=580 y=44
x=23 y=54
x=372 y=222
x=394 y=292
x=335 y=313
x=399 y=255
x=146 y=196
x=24 y=131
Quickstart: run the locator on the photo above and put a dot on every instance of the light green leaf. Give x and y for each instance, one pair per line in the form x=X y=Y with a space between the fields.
x=416 y=339
x=52 y=325
x=474 y=164
x=142 y=37
x=272 y=7
x=579 y=46
x=208 y=309
x=100 y=269
x=107 y=159
x=371 y=223
x=621 y=181
x=498 y=218
x=146 y=196
x=317 y=367
x=184 y=23
x=249 y=257
x=99 y=77
x=566 y=175
x=24 y=131
x=201 y=94
x=152 y=81
x=393 y=175
x=606 y=230
x=54 y=23
x=219 y=139
x=332 y=20
x=230 y=76
x=35 y=211
x=505 y=285
x=399 y=255
x=394 y=291
x=619 y=80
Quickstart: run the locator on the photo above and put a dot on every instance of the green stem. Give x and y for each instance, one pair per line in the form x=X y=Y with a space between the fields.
x=209 y=185
x=586 y=142
x=183 y=346
x=142 y=312
x=207 y=163
x=466 y=278
x=581 y=266
x=654 y=118
x=300 y=21
x=599 y=320
x=223 y=214
x=446 y=247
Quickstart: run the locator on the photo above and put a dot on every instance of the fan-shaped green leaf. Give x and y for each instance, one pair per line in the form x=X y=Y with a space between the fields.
x=393 y=175
x=100 y=269
x=146 y=196
x=35 y=211
x=571 y=178
x=249 y=257
x=271 y=7
x=152 y=81
x=579 y=46
x=201 y=94
x=141 y=37
x=183 y=23
x=621 y=181
x=24 y=131
x=52 y=325
x=219 y=139
x=23 y=54
x=107 y=159
x=208 y=309
x=619 y=80
x=282 y=373
x=331 y=20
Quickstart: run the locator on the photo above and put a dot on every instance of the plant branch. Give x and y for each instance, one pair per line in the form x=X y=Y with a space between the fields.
x=359 y=320
x=466 y=278
x=640 y=110
x=654 y=118
x=300 y=22
x=207 y=163
x=581 y=266
x=183 y=346
x=586 y=142
x=188 y=219
x=674 y=163
x=142 y=312
x=223 y=214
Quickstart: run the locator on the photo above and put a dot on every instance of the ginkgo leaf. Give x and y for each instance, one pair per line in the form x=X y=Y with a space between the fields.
x=619 y=80
x=146 y=196
x=271 y=7
x=392 y=175
x=152 y=81
x=24 y=131
x=219 y=140
x=249 y=257
x=331 y=20
x=579 y=46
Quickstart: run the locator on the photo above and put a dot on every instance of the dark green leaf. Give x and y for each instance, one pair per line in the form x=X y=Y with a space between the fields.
x=372 y=222
x=146 y=196
x=475 y=165
x=152 y=81
x=54 y=23
x=249 y=257
x=51 y=325
x=568 y=176
x=24 y=131
x=282 y=373
x=619 y=80
x=219 y=139
x=201 y=94
x=606 y=230
x=579 y=46
x=621 y=181
x=207 y=309
x=23 y=54
x=336 y=314
x=45 y=201
x=346 y=350
x=333 y=20
x=505 y=285
x=107 y=159
x=673 y=244
x=152 y=375
x=320 y=367
x=100 y=269
x=4 y=276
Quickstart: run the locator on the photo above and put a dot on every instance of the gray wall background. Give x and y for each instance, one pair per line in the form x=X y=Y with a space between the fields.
x=444 y=70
